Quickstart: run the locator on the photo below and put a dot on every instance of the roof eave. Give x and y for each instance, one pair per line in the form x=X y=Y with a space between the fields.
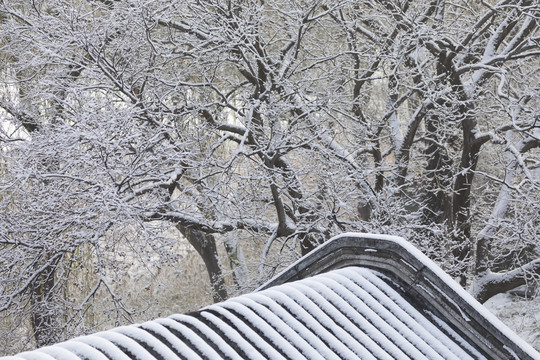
x=429 y=283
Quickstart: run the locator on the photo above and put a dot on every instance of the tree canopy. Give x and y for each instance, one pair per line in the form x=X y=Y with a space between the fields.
x=283 y=121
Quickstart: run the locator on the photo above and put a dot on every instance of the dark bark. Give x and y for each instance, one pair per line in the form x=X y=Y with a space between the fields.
x=437 y=177
x=308 y=243
x=205 y=244
x=234 y=263
x=492 y=284
x=461 y=202
x=44 y=314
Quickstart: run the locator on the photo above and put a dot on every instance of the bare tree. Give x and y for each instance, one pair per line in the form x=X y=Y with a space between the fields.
x=290 y=121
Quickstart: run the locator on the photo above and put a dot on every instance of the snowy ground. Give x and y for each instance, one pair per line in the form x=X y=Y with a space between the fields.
x=519 y=314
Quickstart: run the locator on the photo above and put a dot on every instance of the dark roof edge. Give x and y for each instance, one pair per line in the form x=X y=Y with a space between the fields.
x=392 y=254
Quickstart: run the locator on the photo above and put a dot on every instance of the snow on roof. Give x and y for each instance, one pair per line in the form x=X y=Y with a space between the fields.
x=348 y=313
x=345 y=304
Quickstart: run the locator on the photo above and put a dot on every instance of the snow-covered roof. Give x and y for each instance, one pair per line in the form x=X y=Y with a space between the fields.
x=356 y=297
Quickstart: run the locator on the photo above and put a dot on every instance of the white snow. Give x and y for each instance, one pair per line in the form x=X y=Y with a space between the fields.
x=190 y=336
x=35 y=355
x=83 y=350
x=454 y=285
x=59 y=353
x=302 y=336
x=321 y=312
x=348 y=313
x=379 y=306
x=520 y=314
x=283 y=333
x=140 y=335
x=128 y=343
x=417 y=322
x=103 y=345
x=176 y=343
x=322 y=328
x=216 y=339
x=233 y=335
x=248 y=332
x=265 y=323
x=350 y=319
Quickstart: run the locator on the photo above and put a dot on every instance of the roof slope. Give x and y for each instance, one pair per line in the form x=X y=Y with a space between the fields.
x=356 y=297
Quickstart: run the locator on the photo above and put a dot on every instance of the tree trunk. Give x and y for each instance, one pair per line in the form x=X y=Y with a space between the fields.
x=491 y=284
x=437 y=206
x=205 y=244
x=236 y=262
x=44 y=314
x=461 y=210
x=461 y=202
